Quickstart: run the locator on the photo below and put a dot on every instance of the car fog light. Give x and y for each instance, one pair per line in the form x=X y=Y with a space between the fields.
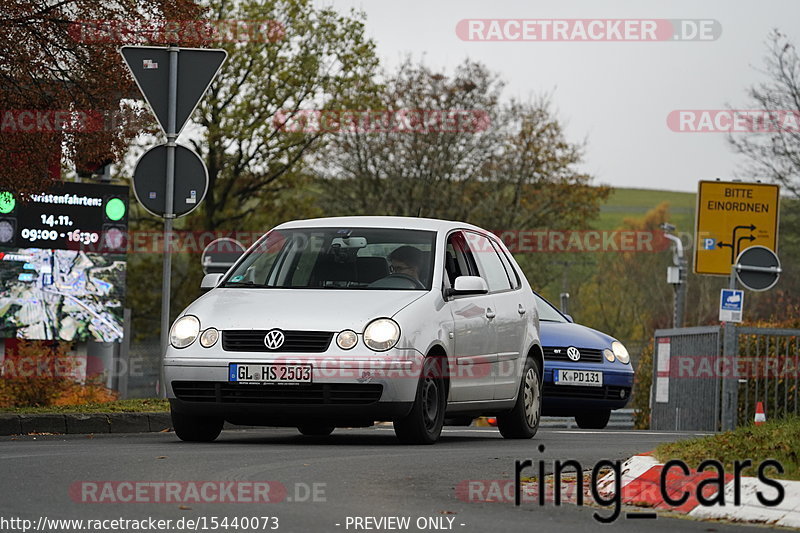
x=209 y=338
x=346 y=339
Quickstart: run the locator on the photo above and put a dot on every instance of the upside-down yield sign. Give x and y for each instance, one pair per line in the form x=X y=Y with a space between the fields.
x=197 y=68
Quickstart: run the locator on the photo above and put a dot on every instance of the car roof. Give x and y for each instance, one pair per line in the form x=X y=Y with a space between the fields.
x=430 y=224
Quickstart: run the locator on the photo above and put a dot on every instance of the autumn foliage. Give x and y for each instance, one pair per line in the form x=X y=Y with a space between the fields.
x=45 y=67
x=42 y=374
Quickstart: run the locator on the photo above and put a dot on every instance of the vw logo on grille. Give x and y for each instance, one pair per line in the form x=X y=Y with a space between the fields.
x=573 y=353
x=274 y=339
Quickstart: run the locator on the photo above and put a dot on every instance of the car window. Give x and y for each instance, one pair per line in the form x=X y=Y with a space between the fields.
x=339 y=258
x=491 y=267
x=459 y=260
x=510 y=270
x=546 y=310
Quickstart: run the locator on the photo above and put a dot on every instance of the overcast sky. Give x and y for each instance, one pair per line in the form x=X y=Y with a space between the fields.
x=616 y=95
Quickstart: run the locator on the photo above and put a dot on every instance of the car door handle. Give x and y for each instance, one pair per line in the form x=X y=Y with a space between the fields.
x=521 y=309
x=489 y=313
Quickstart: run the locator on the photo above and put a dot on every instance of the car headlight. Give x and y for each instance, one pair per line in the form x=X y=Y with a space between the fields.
x=184 y=331
x=209 y=338
x=609 y=355
x=381 y=334
x=346 y=339
x=620 y=352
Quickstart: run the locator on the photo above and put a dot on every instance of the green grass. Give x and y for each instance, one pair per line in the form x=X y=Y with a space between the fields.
x=635 y=203
x=774 y=440
x=139 y=405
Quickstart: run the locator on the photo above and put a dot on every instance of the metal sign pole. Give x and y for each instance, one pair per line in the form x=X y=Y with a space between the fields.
x=169 y=193
x=730 y=384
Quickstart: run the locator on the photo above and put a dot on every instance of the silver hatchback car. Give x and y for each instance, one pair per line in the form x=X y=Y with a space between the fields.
x=341 y=322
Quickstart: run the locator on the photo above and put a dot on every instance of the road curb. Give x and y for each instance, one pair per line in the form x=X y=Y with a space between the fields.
x=84 y=423
x=641 y=486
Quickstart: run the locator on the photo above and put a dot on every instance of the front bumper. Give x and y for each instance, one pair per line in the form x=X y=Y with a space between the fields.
x=569 y=400
x=346 y=389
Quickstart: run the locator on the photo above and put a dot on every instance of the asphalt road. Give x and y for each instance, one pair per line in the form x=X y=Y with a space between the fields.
x=356 y=473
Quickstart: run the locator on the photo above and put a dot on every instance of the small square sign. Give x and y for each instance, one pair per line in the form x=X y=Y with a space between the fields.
x=731 y=304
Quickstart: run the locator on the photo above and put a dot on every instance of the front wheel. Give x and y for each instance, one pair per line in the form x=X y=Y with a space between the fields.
x=423 y=425
x=593 y=419
x=192 y=428
x=522 y=422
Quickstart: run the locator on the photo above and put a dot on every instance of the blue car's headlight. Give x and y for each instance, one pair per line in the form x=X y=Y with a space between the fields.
x=609 y=355
x=620 y=352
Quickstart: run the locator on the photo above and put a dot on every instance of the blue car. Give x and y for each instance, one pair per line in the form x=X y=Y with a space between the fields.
x=587 y=374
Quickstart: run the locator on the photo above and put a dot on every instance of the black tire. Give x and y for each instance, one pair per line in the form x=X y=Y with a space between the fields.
x=316 y=430
x=593 y=419
x=191 y=428
x=522 y=422
x=423 y=425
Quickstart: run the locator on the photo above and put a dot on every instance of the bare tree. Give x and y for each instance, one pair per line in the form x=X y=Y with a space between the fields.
x=774 y=152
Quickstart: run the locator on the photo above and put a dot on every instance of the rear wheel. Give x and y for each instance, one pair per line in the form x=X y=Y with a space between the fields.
x=192 y=428
x=593 y=419
x=316 y=431
x=423 y=424
x=522 y=422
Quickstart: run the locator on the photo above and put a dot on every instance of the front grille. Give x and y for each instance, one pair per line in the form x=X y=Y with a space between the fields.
x=588 y=355
x=310 y=394
x=252 y=340
x=606 y=392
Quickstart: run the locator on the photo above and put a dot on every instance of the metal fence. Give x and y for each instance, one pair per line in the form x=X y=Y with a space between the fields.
x=710 y=379
x=771 y=372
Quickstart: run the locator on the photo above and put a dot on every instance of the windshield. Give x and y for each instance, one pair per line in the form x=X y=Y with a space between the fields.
x=338 y=258
x=546 y=311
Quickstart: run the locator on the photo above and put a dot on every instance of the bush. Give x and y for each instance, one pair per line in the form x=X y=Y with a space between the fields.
x=43 y=374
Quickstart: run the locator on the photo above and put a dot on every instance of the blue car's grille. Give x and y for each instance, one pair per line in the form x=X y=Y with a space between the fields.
x=559 y=353
x=607 y=392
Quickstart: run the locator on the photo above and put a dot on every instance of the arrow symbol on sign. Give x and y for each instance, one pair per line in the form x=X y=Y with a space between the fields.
x=739 y=242
x=735 y=251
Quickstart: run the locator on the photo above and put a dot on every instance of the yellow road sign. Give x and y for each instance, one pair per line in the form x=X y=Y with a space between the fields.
x=731 y=217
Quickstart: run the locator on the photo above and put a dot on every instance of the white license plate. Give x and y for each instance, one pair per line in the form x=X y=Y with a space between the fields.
x=578 y=377
x=269 y=373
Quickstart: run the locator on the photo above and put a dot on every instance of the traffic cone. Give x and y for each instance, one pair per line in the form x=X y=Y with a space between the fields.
x=760 y=416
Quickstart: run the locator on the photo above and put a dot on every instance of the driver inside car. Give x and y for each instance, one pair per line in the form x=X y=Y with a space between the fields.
x=406 y=260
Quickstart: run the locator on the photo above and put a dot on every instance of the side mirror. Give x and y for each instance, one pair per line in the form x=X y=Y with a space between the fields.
x=466 y=285
x=210 y=281
x=569 y=317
